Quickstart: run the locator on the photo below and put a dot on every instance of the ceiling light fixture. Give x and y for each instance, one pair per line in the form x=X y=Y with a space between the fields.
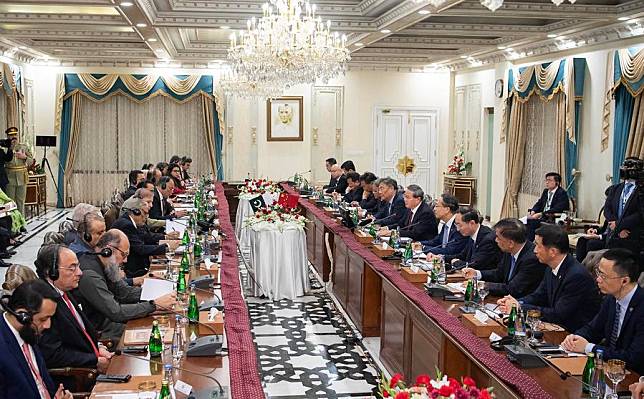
x=552 y=35
x=141 y=25
x=463 y=56
x=358 y=44
x=424 y=12
x=501 y=47
x=224 y=27
x=385 y=31
x=126 y=4
x=494 y=5
x=623 y=18
x=152 y=39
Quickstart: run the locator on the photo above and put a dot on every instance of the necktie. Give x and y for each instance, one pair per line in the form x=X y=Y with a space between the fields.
x=614 y=334
x=390 y=205
x=445 y=235
x=39 y=382
x=411 y=217
x=513 y=263
x=80 y=323
x=472 y=249
x=628 y=187
x=549 y=201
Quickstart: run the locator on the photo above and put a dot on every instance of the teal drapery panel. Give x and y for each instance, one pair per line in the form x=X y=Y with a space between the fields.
x=73 y=83
x=624 y=102
x=634 y=86
x=532 y=85
x=572 y=154
x=65 y=136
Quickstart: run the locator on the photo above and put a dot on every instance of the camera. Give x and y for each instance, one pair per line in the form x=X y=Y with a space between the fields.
x=632 y=169
x=6 y=143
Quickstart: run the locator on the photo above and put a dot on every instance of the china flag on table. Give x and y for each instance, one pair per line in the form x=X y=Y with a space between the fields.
x=283 y=199
x=292 y=200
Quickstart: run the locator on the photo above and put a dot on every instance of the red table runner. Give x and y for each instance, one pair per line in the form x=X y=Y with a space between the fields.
x=498 y=364
x=245 y=381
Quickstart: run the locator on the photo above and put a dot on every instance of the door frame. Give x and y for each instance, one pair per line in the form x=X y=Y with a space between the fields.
x=377 y=109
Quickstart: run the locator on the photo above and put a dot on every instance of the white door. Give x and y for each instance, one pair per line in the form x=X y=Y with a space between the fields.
x=405 y=146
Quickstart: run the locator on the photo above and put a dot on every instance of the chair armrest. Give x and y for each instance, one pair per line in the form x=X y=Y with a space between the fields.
x=83 y=378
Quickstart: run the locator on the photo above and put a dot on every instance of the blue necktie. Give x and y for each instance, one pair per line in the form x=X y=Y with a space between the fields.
x=628 y=187
x=445 y=235
x=615 y=331
x=513 y=263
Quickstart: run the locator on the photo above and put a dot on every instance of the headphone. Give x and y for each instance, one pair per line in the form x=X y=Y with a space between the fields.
x=163 y=182
x=52 y=272
x=22 y=317
x=136 y=212
x=103 y=253
x=86 y=236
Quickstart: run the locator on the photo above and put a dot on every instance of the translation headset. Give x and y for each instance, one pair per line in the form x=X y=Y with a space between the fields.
x=163 y=182
x=136 y=212
x=22 y=317
x=86 y=236
x=103 y=253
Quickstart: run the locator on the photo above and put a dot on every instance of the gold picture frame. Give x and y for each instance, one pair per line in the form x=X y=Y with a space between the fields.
x=285 y=119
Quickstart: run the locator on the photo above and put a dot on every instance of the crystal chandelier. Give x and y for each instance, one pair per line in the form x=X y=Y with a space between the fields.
x=288 y=44
x=495 y=4
x=234 y=84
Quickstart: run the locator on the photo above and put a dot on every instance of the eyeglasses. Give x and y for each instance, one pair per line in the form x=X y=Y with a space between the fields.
x=72 y=268
x=601 y=275
x=125 y=254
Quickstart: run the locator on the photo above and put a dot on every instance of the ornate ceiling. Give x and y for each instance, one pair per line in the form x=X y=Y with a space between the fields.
x=407 y=34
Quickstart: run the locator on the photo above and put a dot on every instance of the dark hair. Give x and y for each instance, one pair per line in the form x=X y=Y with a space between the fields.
x=175 y=159
x=512 y=229
x=331 y=161
x=388 y=181
x=553 y=236
x=146 y=166
x=354 y=176
x=133 y=175
x=151 y=176
x=110 y=238
x=348 y=166
x=164 y=180
x=416 y=191
x=556 y=175
x=172 y=166
x=450 y=201
x=185 y=160
x=162 y=165
x=368 y=177
x=45 y=259
x=144 y=183
x=624 y=262
x=469 y=214
x=30 y=295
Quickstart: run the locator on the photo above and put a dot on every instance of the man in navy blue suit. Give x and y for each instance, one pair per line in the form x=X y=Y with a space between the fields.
x=449 y=241
x=393 y=204
x=554 y=199
x=567 y=295
x=481 y=250
x=618 y=328
x=418 y=222
x=23 y=373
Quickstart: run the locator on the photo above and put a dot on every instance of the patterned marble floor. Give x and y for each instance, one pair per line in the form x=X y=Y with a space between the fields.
x=306 y=349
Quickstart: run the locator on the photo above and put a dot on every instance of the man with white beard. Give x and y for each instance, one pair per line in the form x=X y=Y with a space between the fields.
x=107 y=301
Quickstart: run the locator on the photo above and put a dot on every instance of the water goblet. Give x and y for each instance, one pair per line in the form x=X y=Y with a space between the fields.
x=616 y=371
x=533 y=320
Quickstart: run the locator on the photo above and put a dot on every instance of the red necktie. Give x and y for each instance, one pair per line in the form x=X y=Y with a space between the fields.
x=73 y=310
x=39 y=382
x=411 y=216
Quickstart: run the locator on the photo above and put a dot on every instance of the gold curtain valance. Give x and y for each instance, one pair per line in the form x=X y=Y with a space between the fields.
x=632 y=66
x=100 y=86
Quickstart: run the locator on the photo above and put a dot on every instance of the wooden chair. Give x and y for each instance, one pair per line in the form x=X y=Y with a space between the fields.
x=78 y=380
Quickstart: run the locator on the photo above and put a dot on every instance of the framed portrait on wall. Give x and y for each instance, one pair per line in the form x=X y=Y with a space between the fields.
x=285 y=119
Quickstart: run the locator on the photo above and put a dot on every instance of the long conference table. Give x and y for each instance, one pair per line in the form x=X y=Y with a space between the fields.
x=237 y=370
x=419 y=334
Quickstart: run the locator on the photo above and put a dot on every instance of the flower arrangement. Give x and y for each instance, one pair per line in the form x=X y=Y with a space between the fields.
x=259 y=186
x=458 y=166
x=426 y=388
x=275 y=217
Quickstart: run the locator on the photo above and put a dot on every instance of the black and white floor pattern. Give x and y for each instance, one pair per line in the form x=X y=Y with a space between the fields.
x=307 y=350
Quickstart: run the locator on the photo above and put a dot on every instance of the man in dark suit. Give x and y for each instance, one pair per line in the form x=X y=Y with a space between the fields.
x=481 y=249
x=6 y=155
x=567 y=295
x=134 y=178
x=133 y=218
x=161 y=207
x=449 y=241
x=368 y=201
x=419 y=222
x=185 y=164
x=354 y=193
x=336 y=174
x=393 y=204
x=329 y=164
x=618 y=328
x=519 y=272
x=72 y=340
x=554 y=199
x=23 y=373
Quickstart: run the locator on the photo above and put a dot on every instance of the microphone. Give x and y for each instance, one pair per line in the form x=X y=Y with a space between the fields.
x=446 y=245
x=221 y=391
x=219 y=304
x=410 y=226
x=385 y=218
x=170 y=310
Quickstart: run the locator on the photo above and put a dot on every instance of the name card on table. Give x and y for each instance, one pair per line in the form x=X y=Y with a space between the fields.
x=482 y=329
x=141 y=336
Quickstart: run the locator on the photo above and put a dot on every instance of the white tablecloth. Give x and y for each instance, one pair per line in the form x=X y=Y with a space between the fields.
x=279 y=261
x=243 y=234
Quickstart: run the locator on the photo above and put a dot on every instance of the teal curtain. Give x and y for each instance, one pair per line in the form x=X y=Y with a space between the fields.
x=623 y=114
x=74 y=83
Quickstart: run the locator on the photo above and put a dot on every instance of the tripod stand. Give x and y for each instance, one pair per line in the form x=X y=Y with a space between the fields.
x=44 y=162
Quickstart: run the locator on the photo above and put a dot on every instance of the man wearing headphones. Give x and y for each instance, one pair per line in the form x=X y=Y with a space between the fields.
x=618 y=328
x=161 y=207
x=72 y=340
x=135 y=177
x=106 y=299
x=132 y=223
x=90 y=228
x=23 y=373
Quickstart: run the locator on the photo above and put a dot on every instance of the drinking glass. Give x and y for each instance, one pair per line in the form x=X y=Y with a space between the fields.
x=616 y=371
x=483 y=292
x=534 y=321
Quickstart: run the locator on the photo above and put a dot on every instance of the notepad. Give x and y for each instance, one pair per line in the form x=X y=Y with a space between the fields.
x=153 y=288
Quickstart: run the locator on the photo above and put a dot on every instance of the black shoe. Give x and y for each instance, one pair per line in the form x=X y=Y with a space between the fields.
x=4 y=264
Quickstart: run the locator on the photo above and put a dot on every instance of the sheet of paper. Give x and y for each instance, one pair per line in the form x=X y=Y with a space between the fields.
x=153 y=288
x=524 y=220
x=173 y=225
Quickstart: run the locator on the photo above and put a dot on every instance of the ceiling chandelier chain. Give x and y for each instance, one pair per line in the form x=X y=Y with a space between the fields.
x=288 y=45
x=494 y=5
